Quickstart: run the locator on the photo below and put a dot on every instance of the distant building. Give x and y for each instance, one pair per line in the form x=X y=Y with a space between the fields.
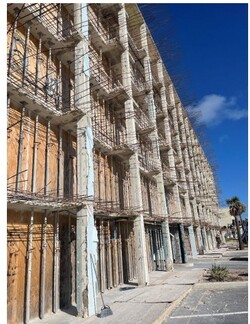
x=226 y=218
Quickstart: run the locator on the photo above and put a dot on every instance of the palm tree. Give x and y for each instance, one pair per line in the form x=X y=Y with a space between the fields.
x=236 y=208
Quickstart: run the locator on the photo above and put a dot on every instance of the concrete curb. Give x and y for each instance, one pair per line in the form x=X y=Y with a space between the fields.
x=220 y=285
x=173 y=305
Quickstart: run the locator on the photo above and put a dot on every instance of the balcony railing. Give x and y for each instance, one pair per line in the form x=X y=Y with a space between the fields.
x=138 y=80
x=163 y=144
x=167 y=176
x=44 y=91
x=142 y=120
x=56 y=21
x=139 y=52
x=103 y=31
x=100 y=78
x=149 y=165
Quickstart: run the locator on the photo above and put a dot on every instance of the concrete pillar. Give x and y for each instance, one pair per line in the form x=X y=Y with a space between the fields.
x=204 y=238
x=213 y=232
x=192 y=241
x=183 y=243
x=86 y=233
x=209 y=239
x=154 y=138
x=136 y=198
x=199 y=240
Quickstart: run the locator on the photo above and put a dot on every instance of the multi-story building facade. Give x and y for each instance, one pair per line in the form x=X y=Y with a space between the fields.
x=105 y=171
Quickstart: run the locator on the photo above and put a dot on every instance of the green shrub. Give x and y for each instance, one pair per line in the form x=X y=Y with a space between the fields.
x=218 y=273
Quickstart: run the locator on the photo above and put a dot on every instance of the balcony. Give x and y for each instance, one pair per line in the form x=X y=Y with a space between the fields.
x=160 y=114
x=157 y=84
x=149 y=166
x=143 y=123
x=103 y=35
x=111 y=139
x=139 y=85
x=50 y=19
x=42 y=96
x=168 y=181
x=163 y=144
x=104 y=83
x=140 y=53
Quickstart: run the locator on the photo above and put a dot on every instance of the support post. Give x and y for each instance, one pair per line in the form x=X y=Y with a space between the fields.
x=29 y=267
x=56 y=271
x=20 y=147
x=183 y=243
x=192 y=241
x=136 y=198
x=43 y=265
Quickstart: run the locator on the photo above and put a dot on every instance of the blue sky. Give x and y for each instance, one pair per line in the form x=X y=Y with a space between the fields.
x=208 y=47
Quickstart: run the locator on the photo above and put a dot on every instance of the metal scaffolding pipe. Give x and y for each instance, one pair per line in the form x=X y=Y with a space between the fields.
x=59 y=167
x=47 y=175
x=29 y=267
x=34 y=162
x=25 y=53
x=56 y=252
x=20 y=148
x=12 y=41
x=43 y=266
x=38 y=62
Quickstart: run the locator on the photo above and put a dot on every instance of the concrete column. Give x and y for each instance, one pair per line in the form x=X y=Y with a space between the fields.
x=182 y=243
x=213 y=233
x=136 y=198
x=86 y=233
x=192 y=241
x=154 y=138
x=204 y=238
x=199 y=240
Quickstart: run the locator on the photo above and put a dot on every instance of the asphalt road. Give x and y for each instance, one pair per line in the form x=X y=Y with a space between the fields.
x=213 y=303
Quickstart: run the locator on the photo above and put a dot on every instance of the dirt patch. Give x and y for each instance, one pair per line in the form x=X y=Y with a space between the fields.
x=234 y=275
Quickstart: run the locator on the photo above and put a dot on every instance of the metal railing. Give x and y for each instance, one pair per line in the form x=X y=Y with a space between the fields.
x=39 y=89
x=142 y=118
x=58 y=23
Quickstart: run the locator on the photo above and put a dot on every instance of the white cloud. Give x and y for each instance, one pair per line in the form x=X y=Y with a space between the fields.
x=216 y=108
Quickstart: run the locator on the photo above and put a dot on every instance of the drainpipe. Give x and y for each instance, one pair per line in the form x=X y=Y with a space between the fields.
x=20 y=147
x=43 y=266
x=29 y=268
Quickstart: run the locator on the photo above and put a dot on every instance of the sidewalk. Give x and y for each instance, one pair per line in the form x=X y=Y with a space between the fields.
x=131 y=304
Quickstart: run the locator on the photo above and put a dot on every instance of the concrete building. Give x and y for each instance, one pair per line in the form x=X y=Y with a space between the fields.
x=105 y=171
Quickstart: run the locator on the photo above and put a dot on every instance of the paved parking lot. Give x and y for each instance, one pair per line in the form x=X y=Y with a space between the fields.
x=213 y=303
